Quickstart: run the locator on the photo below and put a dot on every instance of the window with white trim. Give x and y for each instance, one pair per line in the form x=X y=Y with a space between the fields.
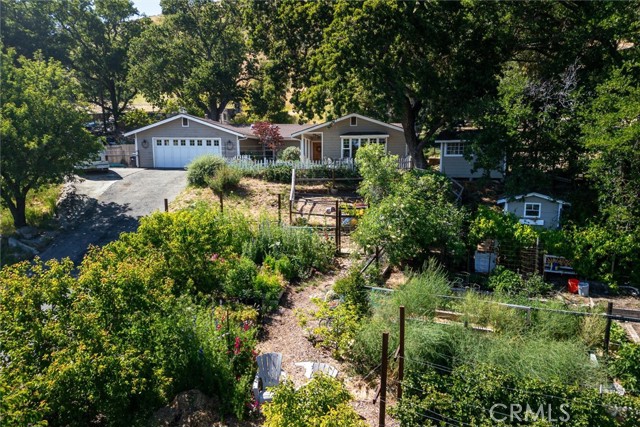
x=532 y=210
x=192 y=142
x=185 y=122
x=354 y=121
x=208 y=143
x=175 y=142
x=350 y=145
x=216 y=142
x=454 y=149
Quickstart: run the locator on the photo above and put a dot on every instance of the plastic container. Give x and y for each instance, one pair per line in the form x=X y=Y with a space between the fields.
x=583 y=289
x=572 y=285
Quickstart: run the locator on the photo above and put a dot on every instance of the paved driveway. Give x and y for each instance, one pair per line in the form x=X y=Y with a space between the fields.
x=104 y=205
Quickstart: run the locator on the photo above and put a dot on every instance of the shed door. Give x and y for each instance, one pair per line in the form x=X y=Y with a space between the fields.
x=179 y=152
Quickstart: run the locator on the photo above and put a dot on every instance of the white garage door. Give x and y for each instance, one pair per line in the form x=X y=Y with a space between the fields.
x=178 y=152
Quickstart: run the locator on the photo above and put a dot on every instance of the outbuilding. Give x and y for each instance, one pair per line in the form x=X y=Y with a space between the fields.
x=535 y=209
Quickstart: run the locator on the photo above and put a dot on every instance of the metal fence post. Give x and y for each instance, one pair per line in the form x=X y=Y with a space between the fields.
x=166 y=205
x=383 y=378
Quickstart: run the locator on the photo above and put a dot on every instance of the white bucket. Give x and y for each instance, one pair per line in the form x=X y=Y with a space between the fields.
x=583 y=289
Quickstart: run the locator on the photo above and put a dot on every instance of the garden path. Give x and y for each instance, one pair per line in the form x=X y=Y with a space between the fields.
x=283 y=334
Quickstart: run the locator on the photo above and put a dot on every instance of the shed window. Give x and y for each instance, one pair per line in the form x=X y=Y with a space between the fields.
x=185 y=122
x=354 y=121
x=454 y=149
x=532 y=210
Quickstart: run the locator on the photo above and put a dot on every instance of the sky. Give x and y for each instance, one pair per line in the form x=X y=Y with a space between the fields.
x=148 y=7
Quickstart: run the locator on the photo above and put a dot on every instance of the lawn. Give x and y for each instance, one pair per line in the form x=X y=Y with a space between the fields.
x=41 y=206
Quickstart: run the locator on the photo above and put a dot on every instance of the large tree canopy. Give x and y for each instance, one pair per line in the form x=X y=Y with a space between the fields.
x=100 y=33
x=197 y=54
x=417 y=62
x=42 y=129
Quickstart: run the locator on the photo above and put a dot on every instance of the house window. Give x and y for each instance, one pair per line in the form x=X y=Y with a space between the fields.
x=185 y=122
x=454 y=149
x=346 y=148
x=354 y=121
x=532 y=210
x=350 y=145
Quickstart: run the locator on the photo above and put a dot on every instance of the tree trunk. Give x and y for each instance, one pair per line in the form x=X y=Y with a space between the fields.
x=18 y=211
x=416 y=148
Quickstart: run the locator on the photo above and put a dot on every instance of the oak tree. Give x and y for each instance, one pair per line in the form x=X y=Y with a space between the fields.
x=43 y=137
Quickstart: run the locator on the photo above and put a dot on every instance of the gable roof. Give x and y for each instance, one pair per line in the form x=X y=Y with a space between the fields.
x=348 y=116
x=542 y=196
x=205 y=122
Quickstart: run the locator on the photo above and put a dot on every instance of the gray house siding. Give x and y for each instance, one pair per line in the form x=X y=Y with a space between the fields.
x=331 y=134
x=174 y=129
x=252 y=146
x=459 y=167
x=548 y=210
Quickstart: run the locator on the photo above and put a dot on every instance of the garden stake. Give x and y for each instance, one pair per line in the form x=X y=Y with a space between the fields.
x=279 y=208
x=607 y=331
x=383 y=378
x=401 y=354
x=166 y=205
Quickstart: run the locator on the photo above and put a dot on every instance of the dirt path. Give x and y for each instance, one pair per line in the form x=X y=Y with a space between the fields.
x=283 y=334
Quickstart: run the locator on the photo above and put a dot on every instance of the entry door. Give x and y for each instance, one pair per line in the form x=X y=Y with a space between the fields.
x=317 y=151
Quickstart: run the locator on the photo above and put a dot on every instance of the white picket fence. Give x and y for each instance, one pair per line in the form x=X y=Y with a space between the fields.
x=248 y=164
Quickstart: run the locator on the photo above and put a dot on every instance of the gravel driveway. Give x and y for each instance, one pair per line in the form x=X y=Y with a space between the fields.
x=99 y=207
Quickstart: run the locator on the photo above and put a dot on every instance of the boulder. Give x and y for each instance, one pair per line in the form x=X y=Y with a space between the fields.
x=27 y=232
x=15 y=243
x=190 y=408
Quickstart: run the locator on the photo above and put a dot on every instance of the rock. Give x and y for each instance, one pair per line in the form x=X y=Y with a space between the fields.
x=27 y=232
x=330 y=295
x=15 y=243
x=189 y=409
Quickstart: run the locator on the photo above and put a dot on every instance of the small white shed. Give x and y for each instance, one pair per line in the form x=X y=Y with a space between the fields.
x=535 y=209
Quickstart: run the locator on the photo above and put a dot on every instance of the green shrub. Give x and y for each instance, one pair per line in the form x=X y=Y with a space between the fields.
x=322 y=402
x=277 y=173
x=625 y=366
x=471 y=393
x=282 y=265
x=240 y=279
x=290 y=154
x=224 y=180
x=337 y=327
x=267 y=285
x=196 y=244
x=505 y=281
x=351 y=289
x=116 y=341
x=203 y=167
x=305 y=249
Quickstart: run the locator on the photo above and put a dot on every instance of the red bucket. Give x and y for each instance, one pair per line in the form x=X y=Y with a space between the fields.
x=572 y=286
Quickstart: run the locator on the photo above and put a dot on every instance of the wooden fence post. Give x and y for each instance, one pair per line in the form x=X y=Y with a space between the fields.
x=166 y=205
x=279 y=209
x=221 y=202
x=401 y=354
x=290 y=212
x=607 y=330
x=383 y=378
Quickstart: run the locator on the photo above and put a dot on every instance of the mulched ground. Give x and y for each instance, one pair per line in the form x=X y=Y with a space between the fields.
x=283 y=334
